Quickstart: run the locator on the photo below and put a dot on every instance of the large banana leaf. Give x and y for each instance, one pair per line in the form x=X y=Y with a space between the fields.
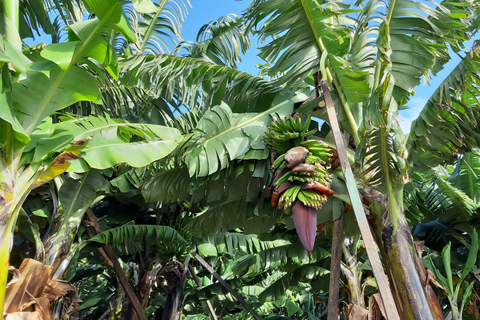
x=131 y=238
x=34 y=18
x=168 y=186
x=305 y=37
x=50 y=86
x=297 y=23
x=290 y=255
x=194 y=82
x=49 y=94
x=446 y=192
x=419 y=33
x=242 y=258
x=448 y=122
x=221 y=42
x=467 y=176
x=223 y=136
x=112 y=141
x=397 y=73
x=219 y=244
x=308 y=272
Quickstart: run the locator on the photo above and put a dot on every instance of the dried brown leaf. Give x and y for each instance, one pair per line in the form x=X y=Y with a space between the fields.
x=355 y=312
x=23 y=316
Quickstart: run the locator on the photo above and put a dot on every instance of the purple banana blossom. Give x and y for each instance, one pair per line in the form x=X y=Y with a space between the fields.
x=305 y=220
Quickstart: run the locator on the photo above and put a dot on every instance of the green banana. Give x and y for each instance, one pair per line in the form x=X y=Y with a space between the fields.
x=278 y=161
x=302 y=198
x=295 y=192
x=313 y=143
x=292 y=124
x=282 y=166
x=307 y=122
x=301 y=178
x=321 y=153
x=283 y=124
x=283 y=178
x=309 y=133
x=313 y=158
x=288 y=200
x=299 y=123
x=285 y=197
x=287 y=135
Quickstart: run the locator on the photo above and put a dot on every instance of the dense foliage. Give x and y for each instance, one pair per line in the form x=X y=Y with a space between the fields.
x=126 y=154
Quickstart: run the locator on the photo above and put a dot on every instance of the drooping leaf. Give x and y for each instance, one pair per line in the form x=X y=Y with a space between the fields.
x=298 y=32
x=222 y=42
x=110 y=141
x=293 y=254
x=132 y=238
x=448 y=122
x=224 y=136
x=218 y=244
x=186 y=80
x=111 y=14
x=158 y=26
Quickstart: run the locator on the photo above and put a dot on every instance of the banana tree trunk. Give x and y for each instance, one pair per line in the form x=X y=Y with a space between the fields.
x=12 y=197
x=405 y=267
x=145 y=285
x=352 y=278
x=175 y=275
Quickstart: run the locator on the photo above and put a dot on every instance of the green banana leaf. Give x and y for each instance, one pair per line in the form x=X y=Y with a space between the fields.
x=222 y=136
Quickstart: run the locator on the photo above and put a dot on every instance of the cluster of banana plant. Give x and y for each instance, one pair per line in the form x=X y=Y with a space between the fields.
x=301 y=179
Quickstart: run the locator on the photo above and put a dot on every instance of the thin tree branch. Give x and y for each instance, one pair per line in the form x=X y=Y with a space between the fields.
x=102 y=253
x=226 y=285
x=118 y=270
x=197 y=281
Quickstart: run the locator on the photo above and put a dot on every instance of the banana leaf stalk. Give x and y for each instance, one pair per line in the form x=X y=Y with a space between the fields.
x=384 y=287
x=335 y=266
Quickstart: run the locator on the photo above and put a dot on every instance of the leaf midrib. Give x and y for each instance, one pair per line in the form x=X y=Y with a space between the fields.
x=48 y=95
x=151 y=26
x=245 y=123
x=127 y=144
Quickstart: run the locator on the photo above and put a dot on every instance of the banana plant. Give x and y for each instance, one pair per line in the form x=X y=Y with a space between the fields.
x=366 y=57
x=145 y=250
x=34 y=149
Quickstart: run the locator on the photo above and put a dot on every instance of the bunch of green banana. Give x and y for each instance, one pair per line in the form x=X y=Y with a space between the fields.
x=298 y=176
x=287 y=133
x=301 y=181
x=320 y=152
